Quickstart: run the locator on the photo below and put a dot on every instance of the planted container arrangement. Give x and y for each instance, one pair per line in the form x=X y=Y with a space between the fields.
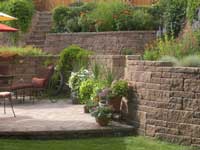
x=119 y=90
x=90 y=106
x=113 y=96
x=75 y=81
x=102 y=115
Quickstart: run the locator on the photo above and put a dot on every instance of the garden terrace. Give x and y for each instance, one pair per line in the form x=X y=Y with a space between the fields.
x=61 y=120
x=165 y=103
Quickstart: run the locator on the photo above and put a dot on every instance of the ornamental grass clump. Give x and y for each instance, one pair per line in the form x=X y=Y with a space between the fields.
x=190 y=61
x=171 y=59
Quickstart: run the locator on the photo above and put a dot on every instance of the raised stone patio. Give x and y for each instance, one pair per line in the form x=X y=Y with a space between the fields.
x=54 y=120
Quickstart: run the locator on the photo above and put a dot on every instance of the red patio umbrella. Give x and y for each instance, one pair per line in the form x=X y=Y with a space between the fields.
x=5 y=28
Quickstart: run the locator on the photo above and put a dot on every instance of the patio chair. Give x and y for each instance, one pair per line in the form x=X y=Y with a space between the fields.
x=40 y=83
x=5 y=87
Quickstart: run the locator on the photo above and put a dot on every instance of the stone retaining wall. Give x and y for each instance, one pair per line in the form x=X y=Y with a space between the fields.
x=24 y=68
x=109 y=43
x=27 y=67
x=166 y=101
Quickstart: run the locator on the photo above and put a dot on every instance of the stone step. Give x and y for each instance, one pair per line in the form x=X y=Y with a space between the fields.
x=35 y=42
x=113 y=131
x=36 y=45
x=44 y=13
x=45 y=22
x=44 y=18
x=38 y=40
x=45 y=30
x=35 y=32
x=36 y=36
x=40 y=25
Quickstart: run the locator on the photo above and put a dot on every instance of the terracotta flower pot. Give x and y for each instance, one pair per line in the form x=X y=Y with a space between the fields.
x=102 y=121
x=115 y=103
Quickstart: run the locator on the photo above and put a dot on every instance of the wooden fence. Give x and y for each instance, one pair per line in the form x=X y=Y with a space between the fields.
x=44 y=5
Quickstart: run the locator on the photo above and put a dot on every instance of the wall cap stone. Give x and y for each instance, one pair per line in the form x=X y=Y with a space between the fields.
x=100 y=33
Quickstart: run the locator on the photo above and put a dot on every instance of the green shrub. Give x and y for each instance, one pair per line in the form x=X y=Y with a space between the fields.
x=59 y=17
x=66 y=19
x=98 y=87
x=192 y=9
x=190 y=61
x=3 y=6
x=119 y=88
x=151 y=54
x=102 y=16
x=138 y=19
x=72 y=59
x=173 y=15
x=21 y=9
x=86 y=90
x=77 y=78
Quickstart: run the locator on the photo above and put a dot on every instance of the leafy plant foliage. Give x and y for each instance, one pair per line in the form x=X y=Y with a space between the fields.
x=23 y=10
x=102 y=16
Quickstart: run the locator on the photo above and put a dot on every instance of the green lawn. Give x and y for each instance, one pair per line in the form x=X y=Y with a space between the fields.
x=126 y=143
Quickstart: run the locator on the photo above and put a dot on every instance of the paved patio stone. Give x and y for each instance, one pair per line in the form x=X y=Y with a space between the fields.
x=60 y=119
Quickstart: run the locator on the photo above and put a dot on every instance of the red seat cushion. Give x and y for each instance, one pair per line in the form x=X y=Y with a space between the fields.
x=18 y=86
x=38 y=82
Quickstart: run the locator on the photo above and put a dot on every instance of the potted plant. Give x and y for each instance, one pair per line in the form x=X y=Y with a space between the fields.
x=89 y=106
x=75 y=81
x=119 y=89
x=102 y=115
x=104 y=96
